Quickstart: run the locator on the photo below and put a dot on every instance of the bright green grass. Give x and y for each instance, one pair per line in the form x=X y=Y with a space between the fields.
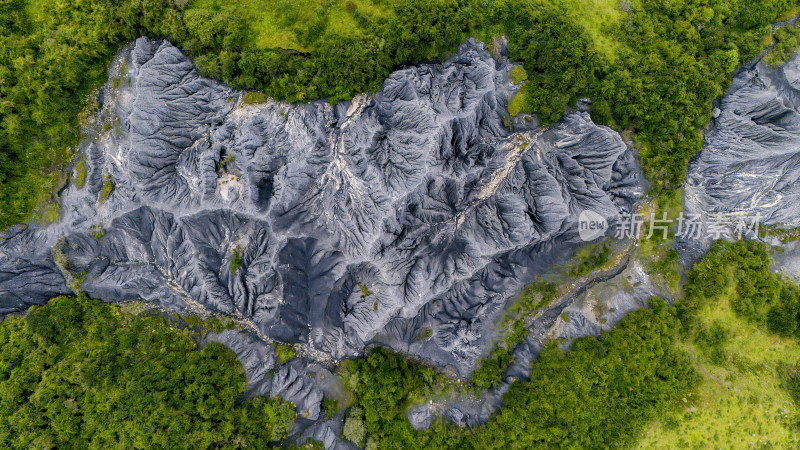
x=108 y=186
x=252 y=98
x=518 y=74
x=740 y=403
x=36 y=9
x=47 y=213
x=518 y=102
x=273 y=22
x=80 y=172
x=284 y=352
x=341 y=20
x=236 y=259
x=599 y=17
x=43 y=208
x=265 y=19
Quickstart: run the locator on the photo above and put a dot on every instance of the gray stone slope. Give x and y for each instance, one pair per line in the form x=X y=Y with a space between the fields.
x=418 y=193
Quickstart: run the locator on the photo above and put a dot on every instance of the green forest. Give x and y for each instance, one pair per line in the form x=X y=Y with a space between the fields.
x=79 y=373
x=650 y=67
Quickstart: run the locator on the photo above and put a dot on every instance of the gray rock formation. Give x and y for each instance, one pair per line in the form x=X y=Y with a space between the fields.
x=748 y=168
x=594 y=304
x=418 y=194
x=293 y=383
x=407 y=218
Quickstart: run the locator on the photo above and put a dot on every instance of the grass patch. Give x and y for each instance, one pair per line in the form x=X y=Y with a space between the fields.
x=80 y=172
x=97 y=232
x=284 y=352
x=47 y=213
x=518 y=74
x=199 y=325
x=423 y=335
x=108 y=187
x=236 y=259
x=740 y=401
x=600 y=19
x=329 y=406
x=252 y=98
x=518 y=102
x=783 y=234
x=589 y=259
x=288 y=24
x=535 y=296
x=229 y=158
x=364 y=291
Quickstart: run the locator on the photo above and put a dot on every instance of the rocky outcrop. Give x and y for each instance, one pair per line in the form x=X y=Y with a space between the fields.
x=407 y=217
x=592 y=305
x=749 y=166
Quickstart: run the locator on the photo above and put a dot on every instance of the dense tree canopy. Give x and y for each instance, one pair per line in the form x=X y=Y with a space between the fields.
x=79 y=373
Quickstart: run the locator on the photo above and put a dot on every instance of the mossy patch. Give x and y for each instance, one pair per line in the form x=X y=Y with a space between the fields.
x=284 y=352
x=236 y=259
x=97 y=232
x=330 y=406
x=519 y=102
x=518 y=74
x=252 y=98
x=108 y=187
x=80 y=172
x=47 y=213
x=423 y=335
x=589 y=259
